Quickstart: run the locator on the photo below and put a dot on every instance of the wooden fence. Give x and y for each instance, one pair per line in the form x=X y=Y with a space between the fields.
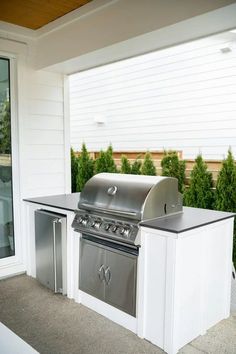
x=214 y=166
x=5 y=160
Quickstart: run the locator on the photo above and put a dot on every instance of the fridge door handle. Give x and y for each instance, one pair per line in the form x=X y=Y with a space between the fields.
x=55 y=253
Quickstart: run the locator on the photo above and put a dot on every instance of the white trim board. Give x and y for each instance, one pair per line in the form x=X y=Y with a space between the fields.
x=201 y=26
x=110 y=312
x=11 y=343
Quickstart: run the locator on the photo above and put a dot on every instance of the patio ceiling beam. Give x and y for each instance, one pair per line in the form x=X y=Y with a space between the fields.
x=135 y=26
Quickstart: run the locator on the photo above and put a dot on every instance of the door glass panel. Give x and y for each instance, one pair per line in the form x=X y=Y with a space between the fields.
x=7 y=247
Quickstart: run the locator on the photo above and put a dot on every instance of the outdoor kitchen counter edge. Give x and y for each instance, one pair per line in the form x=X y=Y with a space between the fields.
x=61 y=201
x=190 y=219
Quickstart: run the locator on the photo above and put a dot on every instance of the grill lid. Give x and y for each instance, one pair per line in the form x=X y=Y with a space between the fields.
x=131 y=196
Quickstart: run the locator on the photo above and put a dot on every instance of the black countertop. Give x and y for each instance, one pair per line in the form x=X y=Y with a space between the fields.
x=191 y=218
x=61 y=201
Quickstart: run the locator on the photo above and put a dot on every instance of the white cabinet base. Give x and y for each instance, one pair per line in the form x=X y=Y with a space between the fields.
x=186 y=281
x=183 y=281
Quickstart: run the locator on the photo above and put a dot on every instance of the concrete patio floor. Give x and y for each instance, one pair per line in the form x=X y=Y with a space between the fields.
x=53 y=324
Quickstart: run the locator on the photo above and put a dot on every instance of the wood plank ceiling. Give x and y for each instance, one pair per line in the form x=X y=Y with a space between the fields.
x=34 y=14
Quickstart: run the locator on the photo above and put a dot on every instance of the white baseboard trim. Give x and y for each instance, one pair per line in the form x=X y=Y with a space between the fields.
x=11 y=271
x=106 y=310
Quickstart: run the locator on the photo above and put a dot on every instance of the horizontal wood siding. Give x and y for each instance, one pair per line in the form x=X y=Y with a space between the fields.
x=44 y=143
x=181 y=98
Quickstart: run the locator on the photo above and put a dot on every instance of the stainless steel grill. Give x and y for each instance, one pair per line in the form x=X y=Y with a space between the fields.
x=112 y=205
x=109 y=211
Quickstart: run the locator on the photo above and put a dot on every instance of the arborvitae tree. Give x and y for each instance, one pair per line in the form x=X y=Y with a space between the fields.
x=74 y=170
x=148 y=167
x=105 y=161
x=136 y=167
x=200 y=193
x=225 y=194
x=173 y=167
x=111 y=166
x=100 y=162
x=125 y=165
x=85 y=169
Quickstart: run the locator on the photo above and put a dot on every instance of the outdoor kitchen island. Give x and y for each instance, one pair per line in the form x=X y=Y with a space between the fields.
x=183 y=277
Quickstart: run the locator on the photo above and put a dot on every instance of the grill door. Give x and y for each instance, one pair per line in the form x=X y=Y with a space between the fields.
x=109 y=274
x=92 y=268
x=120 y=278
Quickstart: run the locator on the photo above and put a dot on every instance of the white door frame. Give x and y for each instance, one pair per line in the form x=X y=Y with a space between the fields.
x=14 y=264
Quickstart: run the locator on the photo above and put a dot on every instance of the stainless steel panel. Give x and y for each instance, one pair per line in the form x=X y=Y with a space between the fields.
x=133 y=196
x=44 y=249
x=50 y=239
x=120 y=278
x=109 y=274
x=92 y=263
x=58 y=255
x=117 y=230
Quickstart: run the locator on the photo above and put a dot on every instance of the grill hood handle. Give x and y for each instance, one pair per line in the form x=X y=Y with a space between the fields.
x=108 y=211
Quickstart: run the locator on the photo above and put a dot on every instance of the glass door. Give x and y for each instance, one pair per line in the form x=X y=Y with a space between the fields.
x=7 y=247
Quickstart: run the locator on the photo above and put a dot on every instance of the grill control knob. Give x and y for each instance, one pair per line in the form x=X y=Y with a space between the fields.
x=80 y=219
x=84 y=222
x=121 y=230
x=113 y=228
x=97 y=224
x=92 y=223
x=107 y=227
x=126 y=232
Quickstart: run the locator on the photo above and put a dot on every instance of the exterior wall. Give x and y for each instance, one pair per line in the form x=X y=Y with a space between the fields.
x=179 y=98
x=44 y=142
x=40 y=148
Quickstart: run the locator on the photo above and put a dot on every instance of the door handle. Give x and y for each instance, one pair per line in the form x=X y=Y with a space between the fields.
x=101 y=273
x=54 y=254
x=107 y=275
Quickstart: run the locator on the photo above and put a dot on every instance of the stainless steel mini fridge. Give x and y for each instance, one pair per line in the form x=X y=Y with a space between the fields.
x=50 y=242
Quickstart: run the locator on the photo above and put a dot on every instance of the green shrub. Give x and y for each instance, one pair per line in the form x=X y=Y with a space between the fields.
x=125 y=165
x=173 y=167
x=85 y=169
x=136 y=167
x=74 y=170
x=148 y=167
x=226 y=186
x=200 y=193
x=5 y=128
x=225 y=195
x=105 y=161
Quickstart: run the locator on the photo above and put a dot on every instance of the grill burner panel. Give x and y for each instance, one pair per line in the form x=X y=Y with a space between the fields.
x=109 y=228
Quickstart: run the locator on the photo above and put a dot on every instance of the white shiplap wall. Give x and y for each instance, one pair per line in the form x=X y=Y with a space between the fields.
x=44 y=136
x=181 y=98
